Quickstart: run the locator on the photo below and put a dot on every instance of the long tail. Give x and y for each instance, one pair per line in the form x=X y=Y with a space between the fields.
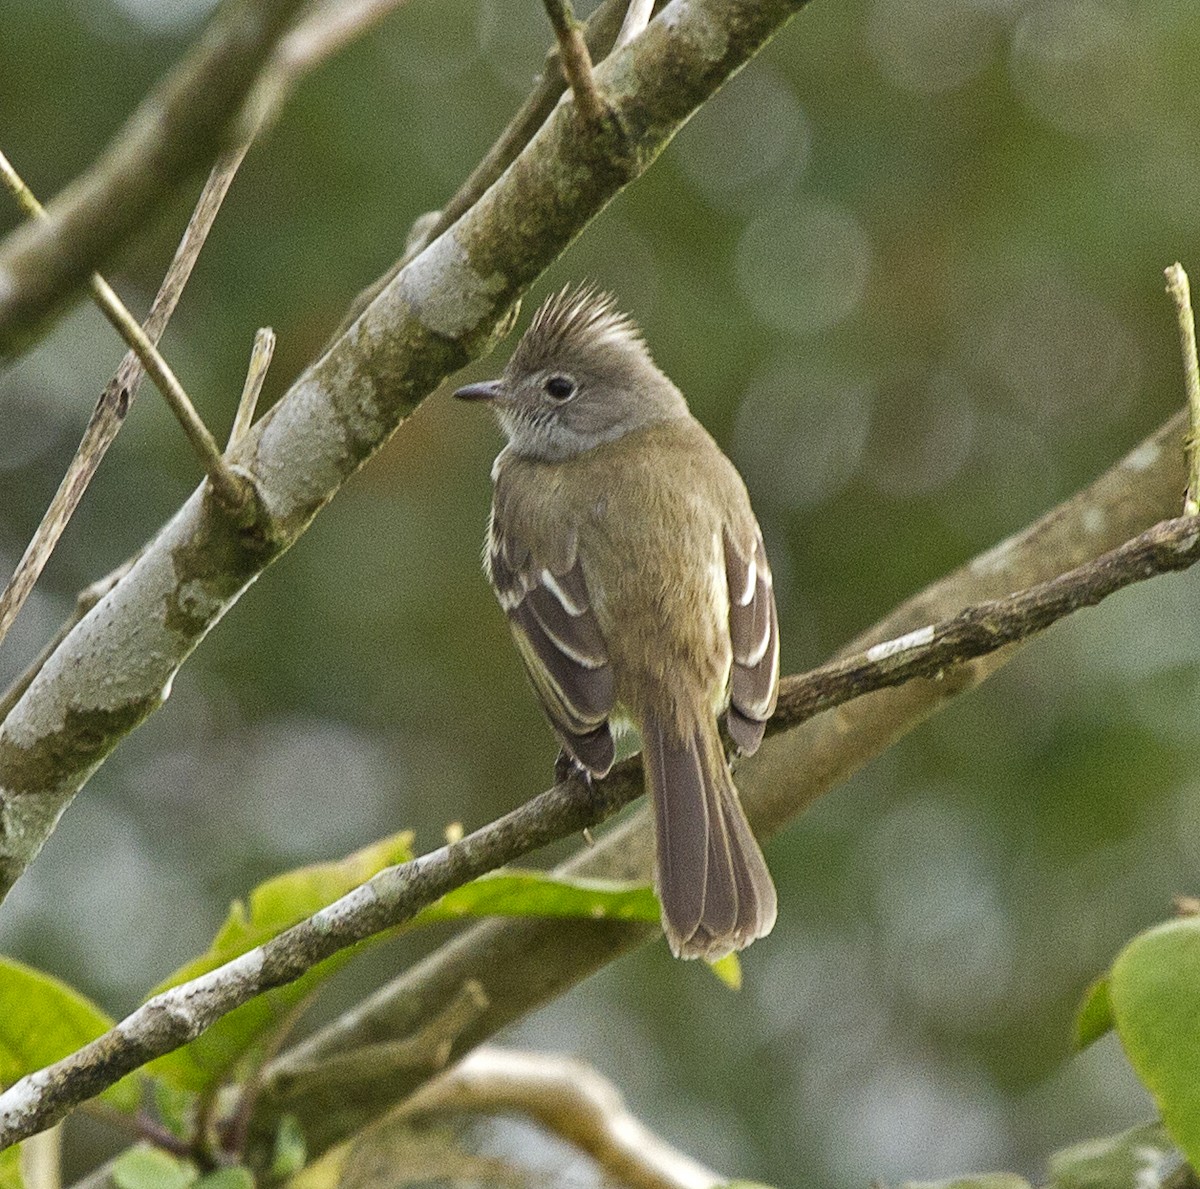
x=716 y=892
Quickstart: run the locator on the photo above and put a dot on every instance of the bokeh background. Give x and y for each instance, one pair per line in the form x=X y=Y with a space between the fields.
x=907 y=266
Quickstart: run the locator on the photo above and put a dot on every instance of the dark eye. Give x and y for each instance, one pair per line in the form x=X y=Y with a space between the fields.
x=560 y=387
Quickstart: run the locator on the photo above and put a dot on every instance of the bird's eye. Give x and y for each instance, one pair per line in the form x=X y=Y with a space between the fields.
x=560 y=387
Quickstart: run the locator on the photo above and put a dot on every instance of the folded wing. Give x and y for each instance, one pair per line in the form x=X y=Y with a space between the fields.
x=557 y=636
x=754 y=634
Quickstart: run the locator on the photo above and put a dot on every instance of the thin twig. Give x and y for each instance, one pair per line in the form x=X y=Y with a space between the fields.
x=256 y=373
x=636 y=19
x=986 y=627
x=576 y=1103
x=576 y=61
x=118 y=396
x=395 y=895
x=327 y=29
x=231 y=488
x=1180 y=293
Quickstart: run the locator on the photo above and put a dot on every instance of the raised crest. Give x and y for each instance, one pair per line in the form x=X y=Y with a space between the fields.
x=581 y=317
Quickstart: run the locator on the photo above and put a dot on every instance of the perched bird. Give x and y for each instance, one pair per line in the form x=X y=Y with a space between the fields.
x=623 y=548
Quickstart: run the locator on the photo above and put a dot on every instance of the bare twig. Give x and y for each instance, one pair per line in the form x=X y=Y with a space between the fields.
x=395 y=895
x=636 y=19
x=985 y=627
x=231 y=488
x=576 y=61
x=117 y=397
x=1180 y=293
x=327 y=29
x=571 y=1099
x=256 y=373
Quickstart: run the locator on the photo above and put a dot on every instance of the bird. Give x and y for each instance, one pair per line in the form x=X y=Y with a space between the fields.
x=624 y=551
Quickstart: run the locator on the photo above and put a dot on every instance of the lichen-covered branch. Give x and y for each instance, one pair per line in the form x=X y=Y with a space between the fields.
x=116 y=666
x=178 y=130
x=398 y=893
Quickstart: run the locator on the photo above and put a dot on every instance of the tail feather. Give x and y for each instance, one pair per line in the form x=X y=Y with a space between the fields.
x=716 y=892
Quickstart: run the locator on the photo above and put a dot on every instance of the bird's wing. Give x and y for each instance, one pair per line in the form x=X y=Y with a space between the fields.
x=555 y=629
x=754 y=634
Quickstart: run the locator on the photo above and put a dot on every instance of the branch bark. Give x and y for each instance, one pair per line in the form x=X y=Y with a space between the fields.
x=395 y=895
x=116 y=666
x=572 y=1100
x=177 y=130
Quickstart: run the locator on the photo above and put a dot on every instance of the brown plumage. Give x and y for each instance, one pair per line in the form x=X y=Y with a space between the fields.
x=624 y=550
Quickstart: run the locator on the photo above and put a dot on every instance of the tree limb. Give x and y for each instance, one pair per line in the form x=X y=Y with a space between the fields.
x=576 y=1103
x=395 y=895
x=177 y=130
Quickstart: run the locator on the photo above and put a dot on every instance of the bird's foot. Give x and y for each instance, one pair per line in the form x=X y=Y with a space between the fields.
x=567 y=766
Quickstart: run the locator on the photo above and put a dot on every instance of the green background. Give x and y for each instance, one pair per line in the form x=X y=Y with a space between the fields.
x=907 y=268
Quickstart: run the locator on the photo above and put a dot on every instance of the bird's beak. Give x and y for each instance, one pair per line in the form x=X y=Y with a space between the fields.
x=484 y=390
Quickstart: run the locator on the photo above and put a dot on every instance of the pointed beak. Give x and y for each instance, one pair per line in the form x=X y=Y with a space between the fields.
x=484 y=390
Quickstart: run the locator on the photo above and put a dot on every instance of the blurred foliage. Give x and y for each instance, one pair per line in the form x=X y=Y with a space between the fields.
x=43 y=1020
x=907 y=267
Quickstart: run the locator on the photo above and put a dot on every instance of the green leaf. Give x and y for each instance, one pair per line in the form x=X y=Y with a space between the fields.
x=151 y=1168
x=227 y=1178
x=290 y=1152
x=1094 y=1017
x=10 y=1168
x=43 y=1020
x=519 y=893
x=729 y=970
x=274 y=906
x=1155 y=996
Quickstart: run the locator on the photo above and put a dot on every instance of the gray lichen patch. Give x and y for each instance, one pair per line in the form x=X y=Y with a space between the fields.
x=446 y=293
x=304 y=451
x=61 y=760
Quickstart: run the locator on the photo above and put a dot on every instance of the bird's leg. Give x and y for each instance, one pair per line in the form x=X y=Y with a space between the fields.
x=566 y=766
